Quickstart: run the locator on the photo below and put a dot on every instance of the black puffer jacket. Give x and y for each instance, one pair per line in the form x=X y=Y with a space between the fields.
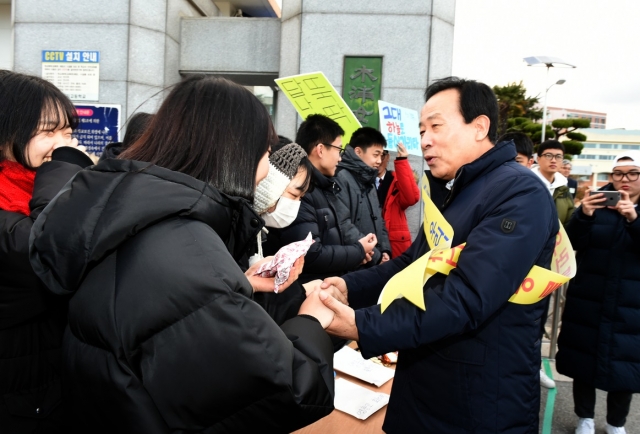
x=600 y=339
x=358 y=193
x=321 y=213
x=32 y=320
x=163 y=335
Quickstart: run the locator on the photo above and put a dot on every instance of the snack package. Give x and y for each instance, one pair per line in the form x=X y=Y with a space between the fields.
x=280 y=265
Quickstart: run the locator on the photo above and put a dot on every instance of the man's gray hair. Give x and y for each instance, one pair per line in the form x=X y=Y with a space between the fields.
x=565 y=162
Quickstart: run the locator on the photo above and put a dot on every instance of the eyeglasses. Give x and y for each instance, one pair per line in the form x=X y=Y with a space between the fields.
x=337 y=147
x=552 y=157
x=631 y=176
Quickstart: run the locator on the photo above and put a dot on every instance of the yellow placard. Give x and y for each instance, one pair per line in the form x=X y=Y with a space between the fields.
x=409 y=283
x=312 y=94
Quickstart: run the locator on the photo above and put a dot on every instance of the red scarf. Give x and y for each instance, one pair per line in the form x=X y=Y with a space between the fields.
x=16 y=187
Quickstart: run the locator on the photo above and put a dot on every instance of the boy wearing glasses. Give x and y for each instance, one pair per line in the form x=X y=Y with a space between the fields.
x=600 y=337
x=550 y=156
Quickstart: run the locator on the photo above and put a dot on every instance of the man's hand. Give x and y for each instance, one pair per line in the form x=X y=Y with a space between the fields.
x=626 y=207
x=385 y=258
x=337 y=288
x=402 y=151
x=314 y=307
x=344 y=320
x=592 y=202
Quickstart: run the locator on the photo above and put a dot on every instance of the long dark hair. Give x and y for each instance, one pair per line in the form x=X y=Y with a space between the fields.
x=212 y=129
x=29 y=104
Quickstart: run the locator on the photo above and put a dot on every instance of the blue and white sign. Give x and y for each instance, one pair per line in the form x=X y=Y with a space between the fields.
x=98 y=126
x=399 y=124
x=75 y=73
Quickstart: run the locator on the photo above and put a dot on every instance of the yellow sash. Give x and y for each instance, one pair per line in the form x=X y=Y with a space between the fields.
x=442 y=258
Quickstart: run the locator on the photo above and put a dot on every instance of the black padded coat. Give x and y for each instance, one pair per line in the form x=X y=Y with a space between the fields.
x=163 y=335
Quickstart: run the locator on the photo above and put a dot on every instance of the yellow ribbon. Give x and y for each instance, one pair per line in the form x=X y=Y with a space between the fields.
x=442 y=258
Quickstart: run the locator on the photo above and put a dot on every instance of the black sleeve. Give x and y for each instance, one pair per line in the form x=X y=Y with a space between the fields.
x=28 y=296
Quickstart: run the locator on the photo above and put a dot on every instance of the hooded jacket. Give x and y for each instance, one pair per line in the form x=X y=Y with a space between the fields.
x=32 y=320
x=599 y=343
x=561 y=195
x=403 y=192
x=163 y=335
x=470 y=363
x=358 y=193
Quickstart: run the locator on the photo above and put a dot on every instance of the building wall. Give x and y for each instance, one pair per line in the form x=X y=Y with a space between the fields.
x=6 y=30
x=600 y=149
x=598 y=119
x=138 y=40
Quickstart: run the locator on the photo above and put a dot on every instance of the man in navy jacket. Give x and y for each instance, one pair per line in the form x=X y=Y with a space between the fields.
x=470 y=362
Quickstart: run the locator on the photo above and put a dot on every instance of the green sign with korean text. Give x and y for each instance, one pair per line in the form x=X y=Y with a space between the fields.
x=361 y=86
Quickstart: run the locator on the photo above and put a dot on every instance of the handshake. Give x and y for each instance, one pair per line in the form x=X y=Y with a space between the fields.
x=327 y=302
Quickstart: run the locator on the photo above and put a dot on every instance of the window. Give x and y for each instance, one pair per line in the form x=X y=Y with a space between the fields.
x=605 y=146
x=590 y=145
x=606 y=157
x=603 y=176
x=631 y=147
x=585 y=157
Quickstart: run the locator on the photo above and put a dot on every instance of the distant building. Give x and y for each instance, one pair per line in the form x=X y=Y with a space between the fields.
x=601 y=147
x=598 y=120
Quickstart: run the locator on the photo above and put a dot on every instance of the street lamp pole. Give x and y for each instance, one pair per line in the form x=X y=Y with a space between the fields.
x=544 y=112
x=549 y=62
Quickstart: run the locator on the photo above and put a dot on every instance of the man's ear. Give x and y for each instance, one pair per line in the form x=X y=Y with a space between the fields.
x=481 y=125
x=359 y=152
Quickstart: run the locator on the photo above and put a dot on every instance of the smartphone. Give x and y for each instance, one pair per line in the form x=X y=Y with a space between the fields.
x=613 y=197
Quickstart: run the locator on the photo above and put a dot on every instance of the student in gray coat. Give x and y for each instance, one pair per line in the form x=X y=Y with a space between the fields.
x=356 y=176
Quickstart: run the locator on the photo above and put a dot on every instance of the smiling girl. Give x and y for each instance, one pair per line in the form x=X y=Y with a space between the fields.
x=37 y=157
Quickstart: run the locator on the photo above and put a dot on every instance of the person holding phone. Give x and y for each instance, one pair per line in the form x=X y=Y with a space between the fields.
x=599 y=341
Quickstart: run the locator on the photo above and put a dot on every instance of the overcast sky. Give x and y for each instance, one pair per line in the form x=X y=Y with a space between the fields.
x=602 y=38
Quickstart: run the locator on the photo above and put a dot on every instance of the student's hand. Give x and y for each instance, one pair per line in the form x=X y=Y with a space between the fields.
x=402 y=151
x=260 y=284
x=592 y=202
x=626 y=207
x=385 y=257
x=367 y=258
x=314 y=307
x=344 y=320
x=337 y=287
x=368 y=242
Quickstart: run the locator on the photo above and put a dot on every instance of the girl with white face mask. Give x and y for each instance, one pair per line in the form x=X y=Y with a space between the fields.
x=277 y=200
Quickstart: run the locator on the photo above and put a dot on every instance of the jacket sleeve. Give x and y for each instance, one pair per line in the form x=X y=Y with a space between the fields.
x=408 y=191
x=364 y=286
x=579 y=229
x=633 y=229
x=30 y=299
x=219 y=362
x=321 y=258
x=490 y=269
x=347 y=209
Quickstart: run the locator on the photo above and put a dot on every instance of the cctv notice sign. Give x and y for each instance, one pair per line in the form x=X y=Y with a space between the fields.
x=75 y=73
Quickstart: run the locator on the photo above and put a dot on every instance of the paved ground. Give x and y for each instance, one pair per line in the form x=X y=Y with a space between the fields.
x=564 y=419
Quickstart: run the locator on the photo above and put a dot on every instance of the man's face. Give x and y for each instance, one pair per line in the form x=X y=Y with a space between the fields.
x=372 y=157
x=524 y=160
x=331 y=157
x=550 y=161
x=566 y=170
x=383 y=165
x=447 y=141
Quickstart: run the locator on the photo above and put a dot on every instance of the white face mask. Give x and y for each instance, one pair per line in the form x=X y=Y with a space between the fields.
x=285 y=213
